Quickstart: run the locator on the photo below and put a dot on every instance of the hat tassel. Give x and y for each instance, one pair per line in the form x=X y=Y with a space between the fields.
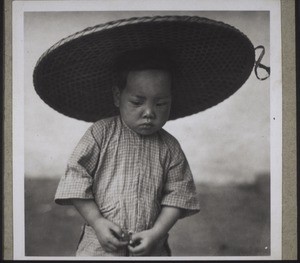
x=259 y=65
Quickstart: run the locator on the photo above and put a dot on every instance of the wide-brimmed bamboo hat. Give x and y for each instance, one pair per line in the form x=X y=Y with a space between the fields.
x=212 y=60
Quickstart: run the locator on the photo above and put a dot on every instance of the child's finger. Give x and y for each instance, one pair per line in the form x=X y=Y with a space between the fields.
x=109 y=247
x=135 y=238
x=117 y=230
x=117 y=243
x=137 y=250
x=116 y=236
x=136 y=245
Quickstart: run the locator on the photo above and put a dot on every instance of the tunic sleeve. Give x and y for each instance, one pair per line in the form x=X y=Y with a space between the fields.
x=78 y=179
x=179 y=189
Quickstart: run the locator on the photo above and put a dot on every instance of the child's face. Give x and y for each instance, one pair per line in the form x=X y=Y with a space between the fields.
x=145 y=101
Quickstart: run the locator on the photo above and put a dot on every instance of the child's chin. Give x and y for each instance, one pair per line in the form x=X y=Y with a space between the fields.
x=146 y=131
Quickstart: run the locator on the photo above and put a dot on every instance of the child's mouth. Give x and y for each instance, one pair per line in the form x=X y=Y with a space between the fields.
x=146 y=125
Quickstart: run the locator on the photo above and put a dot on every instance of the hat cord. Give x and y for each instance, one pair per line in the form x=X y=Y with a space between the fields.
x=259 y=65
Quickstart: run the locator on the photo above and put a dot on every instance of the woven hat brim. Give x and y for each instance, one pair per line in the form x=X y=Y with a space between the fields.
x=212 y=61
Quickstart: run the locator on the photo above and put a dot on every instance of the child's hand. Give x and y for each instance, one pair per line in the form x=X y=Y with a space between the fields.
x=108 y=235
x=142 y=243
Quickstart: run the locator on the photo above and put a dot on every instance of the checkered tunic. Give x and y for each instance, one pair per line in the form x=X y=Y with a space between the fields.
x=130 y=177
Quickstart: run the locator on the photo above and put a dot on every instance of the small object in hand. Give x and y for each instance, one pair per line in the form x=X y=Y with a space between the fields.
x=126 y=236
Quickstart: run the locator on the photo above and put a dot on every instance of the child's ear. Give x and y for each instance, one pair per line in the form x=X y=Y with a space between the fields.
x=116 y=94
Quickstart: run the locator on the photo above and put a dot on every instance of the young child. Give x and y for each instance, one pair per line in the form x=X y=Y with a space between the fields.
x=128 y=177
x=127 y=173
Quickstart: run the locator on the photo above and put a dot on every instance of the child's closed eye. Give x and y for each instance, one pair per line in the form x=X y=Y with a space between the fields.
x=160 y=104
x=136 y=103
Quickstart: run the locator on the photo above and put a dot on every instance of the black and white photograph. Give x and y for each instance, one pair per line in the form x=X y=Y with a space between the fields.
x=147 y=129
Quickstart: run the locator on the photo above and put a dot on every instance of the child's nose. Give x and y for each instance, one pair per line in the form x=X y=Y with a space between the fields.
x=149 y=112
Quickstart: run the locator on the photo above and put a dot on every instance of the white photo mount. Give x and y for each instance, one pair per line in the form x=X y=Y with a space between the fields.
x=21 y=86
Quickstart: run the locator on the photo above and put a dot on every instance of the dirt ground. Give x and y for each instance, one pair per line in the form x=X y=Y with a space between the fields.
x=233 y=221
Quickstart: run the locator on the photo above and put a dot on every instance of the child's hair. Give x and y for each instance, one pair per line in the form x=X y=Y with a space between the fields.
x=142 y=59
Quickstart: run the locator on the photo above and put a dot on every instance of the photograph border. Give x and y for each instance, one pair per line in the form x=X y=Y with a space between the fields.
x=289 y=131
x=289 y=207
